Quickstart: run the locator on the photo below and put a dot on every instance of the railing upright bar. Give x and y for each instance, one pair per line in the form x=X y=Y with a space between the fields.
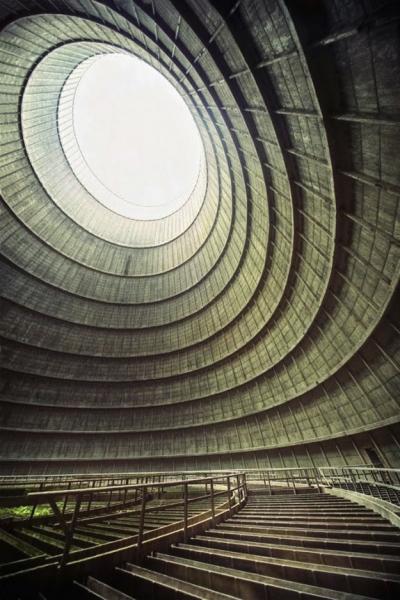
x=70 y=531
x=35 y=505
x=316 y=477
x=142 y=519
x=269 y=482
x=228 y=481
x=185 y=512
x=66 y=500
x=212 y=499
x=292 y=477
x=353 y=479
x=32 y=512
x=89 y=504
x=306 y=477
x=125 y=492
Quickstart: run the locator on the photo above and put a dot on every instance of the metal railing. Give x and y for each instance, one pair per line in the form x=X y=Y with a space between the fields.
x=72 y=506
x=288 y=476
x=372 y=481
x=378 y=482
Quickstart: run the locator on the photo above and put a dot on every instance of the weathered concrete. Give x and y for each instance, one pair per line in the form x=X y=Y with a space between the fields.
x=256 y=326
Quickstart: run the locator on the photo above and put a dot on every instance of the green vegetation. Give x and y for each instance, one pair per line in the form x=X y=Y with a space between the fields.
x=22 y=512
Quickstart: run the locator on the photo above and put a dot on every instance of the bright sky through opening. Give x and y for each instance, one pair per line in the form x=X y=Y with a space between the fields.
x=137 y=137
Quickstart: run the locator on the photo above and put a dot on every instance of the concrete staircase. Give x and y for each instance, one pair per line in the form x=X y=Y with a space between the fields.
x=279 y=547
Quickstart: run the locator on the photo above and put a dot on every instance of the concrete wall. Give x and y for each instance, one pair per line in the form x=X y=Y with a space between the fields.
x=259 y=325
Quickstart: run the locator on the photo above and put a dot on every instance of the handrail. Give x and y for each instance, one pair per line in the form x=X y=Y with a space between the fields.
x=141 y=474
x=111 y=488
x=114 y=475
x=78 y=481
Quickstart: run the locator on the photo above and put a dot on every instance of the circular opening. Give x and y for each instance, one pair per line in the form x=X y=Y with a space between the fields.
x=140 y=148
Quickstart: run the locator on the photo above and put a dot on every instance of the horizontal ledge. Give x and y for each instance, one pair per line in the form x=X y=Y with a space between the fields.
x=369 y=118
x=225 y=452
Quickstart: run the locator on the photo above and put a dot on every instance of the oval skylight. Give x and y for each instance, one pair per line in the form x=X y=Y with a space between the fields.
x=138 y=150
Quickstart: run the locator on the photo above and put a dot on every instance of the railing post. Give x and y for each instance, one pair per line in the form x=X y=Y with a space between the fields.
x=212 y=500
x=32 y=511
x=228 y=481
x=125 y=493
x=264 y=480
x=307 y=478
x=395 y=479
x=66 y=499
x=89 y=504
x=353 y=480
x=185 y=512
x=375 y=478
x=35 y=505
x=377 y=487
x=159 y=489
x=142 y=518
x=287 y=478
x=269 y=483
x=317 y=482
x=70 y=531
x=293 y=482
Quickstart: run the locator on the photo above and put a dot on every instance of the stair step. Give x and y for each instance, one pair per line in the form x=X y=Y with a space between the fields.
x=106 y=529
x=95 y=589
x=80 y=540
x=367 y=534
x=243 y=583
x=308 y=511
x=338 y=578
x=21 y=564
x=150 y=520
x=308 y=541
x=321 y=500
x=378 y=525
x=122 y=531
x=335 y=518
x=356 y=560
x=13 y=547
x=319 y=507
x=42 y=542
x=159 y=586
x=102 y=535
x=81 y=592
x=300 y=498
